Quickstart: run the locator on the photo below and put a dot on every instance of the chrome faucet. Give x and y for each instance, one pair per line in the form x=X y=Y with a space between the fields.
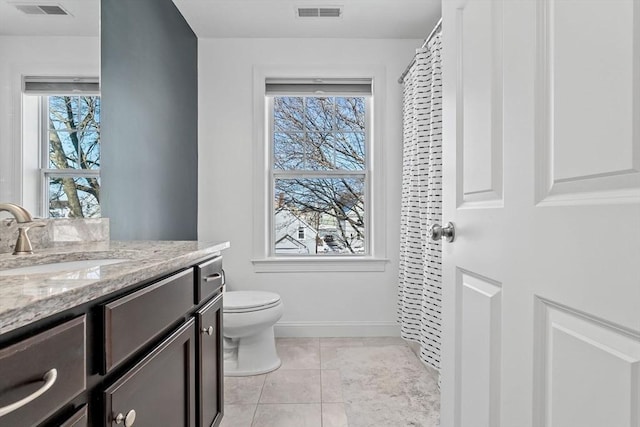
x=22 y=216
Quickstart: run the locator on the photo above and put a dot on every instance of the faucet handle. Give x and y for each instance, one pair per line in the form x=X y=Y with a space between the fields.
x=23 y=244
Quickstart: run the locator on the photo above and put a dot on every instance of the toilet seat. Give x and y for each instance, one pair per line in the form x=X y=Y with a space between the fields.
x=249 y=301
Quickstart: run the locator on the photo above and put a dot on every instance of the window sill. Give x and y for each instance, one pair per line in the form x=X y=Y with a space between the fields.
x=317 y=265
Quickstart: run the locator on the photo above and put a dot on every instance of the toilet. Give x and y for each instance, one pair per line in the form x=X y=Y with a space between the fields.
x=247 y=324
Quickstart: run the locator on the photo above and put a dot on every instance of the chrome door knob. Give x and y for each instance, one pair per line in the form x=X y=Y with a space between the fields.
x=208 y=331
x=439 y=232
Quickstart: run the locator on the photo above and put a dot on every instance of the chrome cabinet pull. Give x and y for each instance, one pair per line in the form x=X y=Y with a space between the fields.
x=49 y=379
x=214 y=276
x=438 y=232
x=208 y=331
x=128 y=419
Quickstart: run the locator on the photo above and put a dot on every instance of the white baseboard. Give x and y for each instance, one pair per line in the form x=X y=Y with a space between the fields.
x=337 y=329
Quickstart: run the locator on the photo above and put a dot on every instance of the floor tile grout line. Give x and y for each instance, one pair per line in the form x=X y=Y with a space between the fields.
x=321 y=398
x=259 y=397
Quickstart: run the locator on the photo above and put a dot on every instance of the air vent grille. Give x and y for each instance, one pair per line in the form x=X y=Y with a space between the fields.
x=48 y=9
x=329 y=12
x=308 y=12
x=319 y=12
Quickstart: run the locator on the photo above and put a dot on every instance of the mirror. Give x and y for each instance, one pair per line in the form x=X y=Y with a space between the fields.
x=54 y=40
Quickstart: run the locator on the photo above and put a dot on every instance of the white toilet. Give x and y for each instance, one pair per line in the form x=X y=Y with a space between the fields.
x=247 y=324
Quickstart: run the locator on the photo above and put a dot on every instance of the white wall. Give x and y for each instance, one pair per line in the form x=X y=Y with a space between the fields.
x=328 y=303
x=35 y=56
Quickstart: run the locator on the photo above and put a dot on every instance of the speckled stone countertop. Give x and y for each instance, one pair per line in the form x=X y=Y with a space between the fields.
x=26 y=298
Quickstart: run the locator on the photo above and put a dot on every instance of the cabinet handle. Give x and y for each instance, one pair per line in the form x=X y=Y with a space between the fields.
x=208 y=331
x=214 y=276
x=128 y=419
x=49 y=379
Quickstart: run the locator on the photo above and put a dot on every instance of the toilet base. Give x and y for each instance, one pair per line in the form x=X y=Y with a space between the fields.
x=231 y=370
x=252 y=355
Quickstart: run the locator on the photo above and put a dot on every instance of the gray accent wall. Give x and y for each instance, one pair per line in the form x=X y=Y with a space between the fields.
x=149 y=130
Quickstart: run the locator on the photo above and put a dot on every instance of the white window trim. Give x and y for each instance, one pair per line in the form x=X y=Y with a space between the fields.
x=262 y=261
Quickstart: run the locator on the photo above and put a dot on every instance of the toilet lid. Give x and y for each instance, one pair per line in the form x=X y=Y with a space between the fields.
x=248 y=300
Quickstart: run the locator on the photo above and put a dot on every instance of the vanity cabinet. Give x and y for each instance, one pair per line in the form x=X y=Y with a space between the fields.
x=149 y=355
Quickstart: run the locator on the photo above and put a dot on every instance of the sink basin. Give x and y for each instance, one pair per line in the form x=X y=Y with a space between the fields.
x=57 y=267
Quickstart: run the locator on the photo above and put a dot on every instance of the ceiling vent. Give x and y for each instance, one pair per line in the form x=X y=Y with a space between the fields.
x=319 y=12
x=45 y=9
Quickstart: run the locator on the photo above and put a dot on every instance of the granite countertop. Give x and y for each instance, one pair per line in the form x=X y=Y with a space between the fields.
x=26 y=298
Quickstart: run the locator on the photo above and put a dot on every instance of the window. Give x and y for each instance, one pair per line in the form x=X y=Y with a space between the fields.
x=322 y=249
x=70 y=145
x=319 y=138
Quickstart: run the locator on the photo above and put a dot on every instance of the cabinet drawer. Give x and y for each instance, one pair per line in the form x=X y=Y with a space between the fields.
x=160 y=389
x=209 y=278
x=134 y=320
x=53 y=361
x=210 y=374
x=79 y=419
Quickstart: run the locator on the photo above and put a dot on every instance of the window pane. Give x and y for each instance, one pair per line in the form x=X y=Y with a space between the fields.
x=61 y=113
x=289 y=151
x=350 y=114
x=74 y=197
x=350 y=150
x=74 y=132
x=321 y=153
x=320 y=114
x=288 y=113
x=329 y=210
x=320 y=146
x=75 y=150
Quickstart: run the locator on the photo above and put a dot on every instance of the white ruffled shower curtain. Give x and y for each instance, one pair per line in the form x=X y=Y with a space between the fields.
x=420 y=279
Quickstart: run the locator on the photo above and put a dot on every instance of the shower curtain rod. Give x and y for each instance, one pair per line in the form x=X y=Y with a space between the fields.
x=413 y=61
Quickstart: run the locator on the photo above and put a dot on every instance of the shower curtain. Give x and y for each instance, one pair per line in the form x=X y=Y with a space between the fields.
x=420 y=290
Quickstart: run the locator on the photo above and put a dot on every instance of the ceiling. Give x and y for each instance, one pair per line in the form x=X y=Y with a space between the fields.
x=395 y=19
x=84 y=19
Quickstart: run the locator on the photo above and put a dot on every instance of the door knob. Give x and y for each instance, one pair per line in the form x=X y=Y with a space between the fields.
x=208 y=331
x=439 y=232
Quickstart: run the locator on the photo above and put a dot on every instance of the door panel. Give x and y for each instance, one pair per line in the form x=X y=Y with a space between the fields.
x=589 y=88
x=589 y=372
x=480 y=88
x=480 y=347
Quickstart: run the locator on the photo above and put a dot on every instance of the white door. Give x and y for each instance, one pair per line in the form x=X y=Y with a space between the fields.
x=541 y=298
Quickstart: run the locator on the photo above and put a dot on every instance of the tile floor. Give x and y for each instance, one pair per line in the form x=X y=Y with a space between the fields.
x=336 y=382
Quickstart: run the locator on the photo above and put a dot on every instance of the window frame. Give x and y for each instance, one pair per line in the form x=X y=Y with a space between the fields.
x=47 y=172
x=263 y=259
x=275 y=174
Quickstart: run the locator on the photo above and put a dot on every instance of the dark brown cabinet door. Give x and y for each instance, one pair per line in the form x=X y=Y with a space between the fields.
x=210 y=363
x=160 y=389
